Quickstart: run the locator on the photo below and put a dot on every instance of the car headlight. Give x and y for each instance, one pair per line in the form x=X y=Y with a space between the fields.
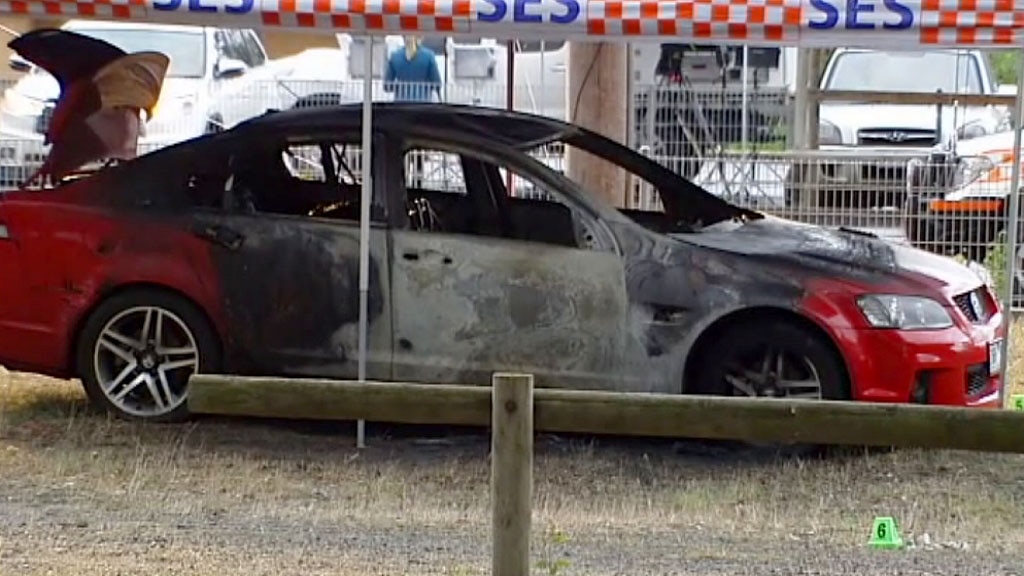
x=971 y=168
x=903 y=312
x=828 y=133
x=970 y=130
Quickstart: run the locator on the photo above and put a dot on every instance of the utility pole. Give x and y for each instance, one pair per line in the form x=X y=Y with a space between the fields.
x=596 y=99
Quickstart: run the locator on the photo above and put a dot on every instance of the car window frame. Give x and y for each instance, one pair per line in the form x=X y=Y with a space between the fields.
x=514 y=160
x=181 y=158
x=281 y=138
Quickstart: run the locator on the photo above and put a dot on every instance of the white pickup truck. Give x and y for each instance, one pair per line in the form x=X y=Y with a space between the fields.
x=865 y=146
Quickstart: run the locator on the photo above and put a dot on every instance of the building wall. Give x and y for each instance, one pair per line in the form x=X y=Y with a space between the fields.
x=281 y=44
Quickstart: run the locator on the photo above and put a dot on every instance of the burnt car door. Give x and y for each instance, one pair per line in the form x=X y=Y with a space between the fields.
x=483 y=283
x=282 y=218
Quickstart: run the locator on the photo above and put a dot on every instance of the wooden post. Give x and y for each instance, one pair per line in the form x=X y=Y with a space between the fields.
x=596 y=99
x=813 y=110
x=511 y=473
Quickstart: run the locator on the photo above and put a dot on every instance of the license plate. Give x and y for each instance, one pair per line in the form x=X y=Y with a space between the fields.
x=995 y=357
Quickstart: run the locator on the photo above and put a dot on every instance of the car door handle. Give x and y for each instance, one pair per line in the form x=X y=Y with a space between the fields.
x=413 y=256
x=558 y=67
x=230 y=239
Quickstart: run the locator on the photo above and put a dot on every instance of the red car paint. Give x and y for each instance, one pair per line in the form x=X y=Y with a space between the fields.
x=886 y=364
x=61 y=256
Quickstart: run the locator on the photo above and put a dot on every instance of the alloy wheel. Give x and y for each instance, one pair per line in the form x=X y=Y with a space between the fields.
x=775 y=373
x=142 y=360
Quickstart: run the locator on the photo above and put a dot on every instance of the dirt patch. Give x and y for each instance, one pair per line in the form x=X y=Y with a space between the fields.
x=82 y=493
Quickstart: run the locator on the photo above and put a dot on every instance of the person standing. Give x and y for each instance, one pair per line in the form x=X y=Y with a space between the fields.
x=412 y=76
x=412 y=73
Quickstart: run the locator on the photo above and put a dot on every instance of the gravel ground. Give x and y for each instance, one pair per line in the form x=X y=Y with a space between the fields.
x=84 y=494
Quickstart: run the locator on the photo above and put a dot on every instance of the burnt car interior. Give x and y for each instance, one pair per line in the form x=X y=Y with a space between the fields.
x=459 y=193
x=444 y=192
x=309 y=177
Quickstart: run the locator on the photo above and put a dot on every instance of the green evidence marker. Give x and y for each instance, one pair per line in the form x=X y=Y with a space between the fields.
x=884 y=534
x=1017 y=402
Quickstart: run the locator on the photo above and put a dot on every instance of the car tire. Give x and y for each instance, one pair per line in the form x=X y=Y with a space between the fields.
x=745 y=342
x=125 y=373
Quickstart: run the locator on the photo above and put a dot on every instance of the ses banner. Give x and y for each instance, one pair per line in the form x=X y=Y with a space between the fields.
x=813 y=23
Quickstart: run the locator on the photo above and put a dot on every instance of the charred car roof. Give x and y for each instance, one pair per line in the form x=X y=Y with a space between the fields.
x=510 y=128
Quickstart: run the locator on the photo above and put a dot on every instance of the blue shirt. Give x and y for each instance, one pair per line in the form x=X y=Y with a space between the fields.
x=412 y=80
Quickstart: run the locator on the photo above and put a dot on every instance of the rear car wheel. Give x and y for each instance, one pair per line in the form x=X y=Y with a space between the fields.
x=137 y=351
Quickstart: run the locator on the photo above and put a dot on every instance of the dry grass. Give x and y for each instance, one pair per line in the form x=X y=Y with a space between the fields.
x=77 y=489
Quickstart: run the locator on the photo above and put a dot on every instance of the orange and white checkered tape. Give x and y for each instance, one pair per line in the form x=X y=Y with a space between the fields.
x=372 y=15
x=99 y=9
x=972 y=22
x=938 y=22
x=736 y=20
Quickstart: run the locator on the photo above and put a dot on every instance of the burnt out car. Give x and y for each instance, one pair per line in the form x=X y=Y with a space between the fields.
x=238 y=253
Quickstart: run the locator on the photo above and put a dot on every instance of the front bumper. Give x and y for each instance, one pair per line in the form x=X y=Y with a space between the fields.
x=942 y=367
x=861 y=168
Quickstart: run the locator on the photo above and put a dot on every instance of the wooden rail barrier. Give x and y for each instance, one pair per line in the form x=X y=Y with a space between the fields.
x=615 y=413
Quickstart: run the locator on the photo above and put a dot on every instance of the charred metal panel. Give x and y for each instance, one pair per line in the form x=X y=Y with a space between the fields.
x=291 y=287
x=465 y=307
x=678 y=289
x=821 y=251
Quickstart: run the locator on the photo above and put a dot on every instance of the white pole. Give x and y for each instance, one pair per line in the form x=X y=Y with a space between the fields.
x=746 y=95
x=364 y=222
x=1012 y=225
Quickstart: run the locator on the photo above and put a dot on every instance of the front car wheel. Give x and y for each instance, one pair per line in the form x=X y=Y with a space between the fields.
x=779 y=360
x=773 y=359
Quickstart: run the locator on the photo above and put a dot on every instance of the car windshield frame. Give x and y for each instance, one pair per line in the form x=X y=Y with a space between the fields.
x=169 y=42
x=877 y=71
x=683 y=200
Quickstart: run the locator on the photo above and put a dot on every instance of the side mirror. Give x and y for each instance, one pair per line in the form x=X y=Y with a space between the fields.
x=19 y=64
x=229 y=68
x=1006 y=89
